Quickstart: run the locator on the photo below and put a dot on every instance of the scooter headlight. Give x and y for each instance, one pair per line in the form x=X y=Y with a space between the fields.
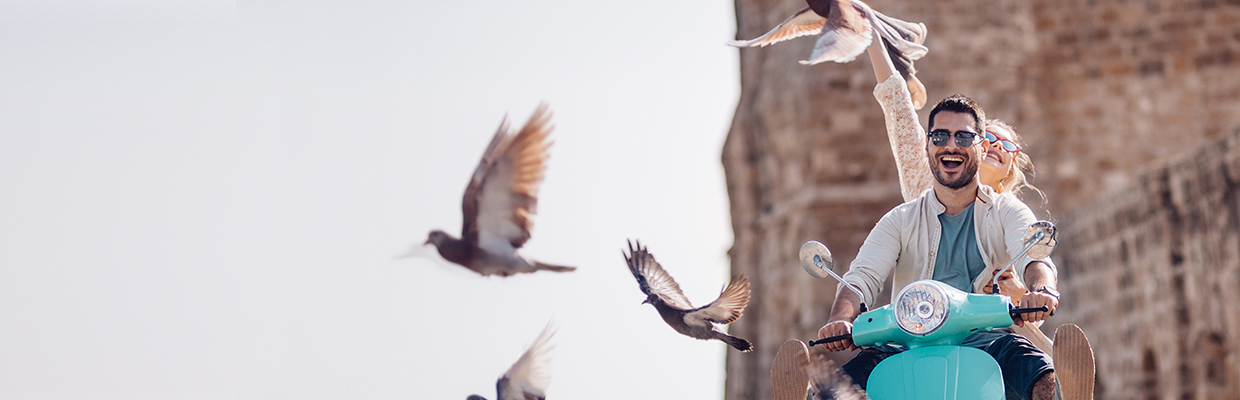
x=921 y=308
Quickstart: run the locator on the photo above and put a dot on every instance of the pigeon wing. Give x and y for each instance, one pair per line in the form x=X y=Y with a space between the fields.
x=827 y=383
x=653 y=279
x=505 y=190
x=845 y=35
x=803 y=23
x=728 y=307
x=469 y=205
x=529 y=377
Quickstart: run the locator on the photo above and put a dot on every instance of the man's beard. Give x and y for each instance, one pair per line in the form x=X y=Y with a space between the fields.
x=966 y=176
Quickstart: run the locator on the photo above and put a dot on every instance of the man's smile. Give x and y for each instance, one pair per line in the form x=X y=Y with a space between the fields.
x=951 y=161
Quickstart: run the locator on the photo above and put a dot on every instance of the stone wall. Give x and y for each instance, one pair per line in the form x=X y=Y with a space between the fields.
x=1123 y=84
x=1153 y=276
x=1097 y=88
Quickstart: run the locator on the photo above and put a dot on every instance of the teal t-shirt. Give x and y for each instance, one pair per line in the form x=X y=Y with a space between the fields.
x=959 y=260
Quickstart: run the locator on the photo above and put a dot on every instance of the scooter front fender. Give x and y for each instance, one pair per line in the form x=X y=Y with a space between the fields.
x=937 y=373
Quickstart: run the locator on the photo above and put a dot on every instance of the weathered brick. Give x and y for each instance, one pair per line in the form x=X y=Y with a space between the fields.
x=1138 y=33
x=1216 y=40
x=1100 y=34
x=1226 y=19
x=1181 y=63
x=1117 y=69
x=1154 y=67
x=1046 y=22
x=1213 y=59
x=1108 y=16
x=1065 y=39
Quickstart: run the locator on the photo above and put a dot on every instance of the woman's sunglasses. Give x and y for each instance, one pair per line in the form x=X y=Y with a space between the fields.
x=1006 y=144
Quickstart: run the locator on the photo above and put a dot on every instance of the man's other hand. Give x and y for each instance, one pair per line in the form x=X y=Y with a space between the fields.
x=836 y=328
x=1035 y=300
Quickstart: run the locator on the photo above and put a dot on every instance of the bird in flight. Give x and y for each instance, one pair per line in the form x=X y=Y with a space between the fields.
x=826 y=382
x=529 y=377
x=664 y=294
x=500 y=203
x=845 y=29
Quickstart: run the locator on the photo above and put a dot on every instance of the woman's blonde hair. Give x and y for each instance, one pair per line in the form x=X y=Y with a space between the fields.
x=1016 y=179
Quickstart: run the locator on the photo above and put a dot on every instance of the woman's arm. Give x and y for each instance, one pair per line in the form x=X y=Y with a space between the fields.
x=883 y=67
x=908 y=139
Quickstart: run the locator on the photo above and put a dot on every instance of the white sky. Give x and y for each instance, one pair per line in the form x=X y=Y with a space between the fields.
x=204 y=199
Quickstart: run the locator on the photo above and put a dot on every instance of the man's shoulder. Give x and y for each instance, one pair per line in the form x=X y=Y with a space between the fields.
x=912 y=207
x=1006 y=208
x=1008 y=201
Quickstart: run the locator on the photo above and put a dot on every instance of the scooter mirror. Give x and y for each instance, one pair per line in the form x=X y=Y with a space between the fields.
x=1039 y=242
x=817 y=261
x=1041 y=239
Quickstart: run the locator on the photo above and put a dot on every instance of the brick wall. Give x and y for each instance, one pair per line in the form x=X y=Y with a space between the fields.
x=1152 y=274
x=1122 y=84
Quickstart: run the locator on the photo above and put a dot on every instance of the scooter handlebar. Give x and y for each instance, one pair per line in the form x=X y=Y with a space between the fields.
x=1016 y=312
x=830 y=339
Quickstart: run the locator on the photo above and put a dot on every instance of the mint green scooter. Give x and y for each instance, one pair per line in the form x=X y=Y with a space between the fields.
x=932 y=319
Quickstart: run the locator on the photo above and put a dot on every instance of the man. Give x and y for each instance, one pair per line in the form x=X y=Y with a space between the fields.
x=959 y=233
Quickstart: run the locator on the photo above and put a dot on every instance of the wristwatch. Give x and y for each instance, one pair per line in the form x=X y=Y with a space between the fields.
x=1050 y=291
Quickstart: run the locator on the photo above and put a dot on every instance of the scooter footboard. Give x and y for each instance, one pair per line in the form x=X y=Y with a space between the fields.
x=937 y=372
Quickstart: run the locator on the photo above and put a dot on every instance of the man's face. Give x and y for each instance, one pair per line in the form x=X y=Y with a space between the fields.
x=953 y=166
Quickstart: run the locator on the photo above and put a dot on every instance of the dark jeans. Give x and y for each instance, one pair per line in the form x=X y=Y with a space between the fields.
x=1019 y=360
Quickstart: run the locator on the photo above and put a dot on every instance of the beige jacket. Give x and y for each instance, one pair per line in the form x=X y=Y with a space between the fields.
x=904 y=242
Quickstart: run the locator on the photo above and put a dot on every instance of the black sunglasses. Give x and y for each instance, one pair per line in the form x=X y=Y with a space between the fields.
x=939 y=137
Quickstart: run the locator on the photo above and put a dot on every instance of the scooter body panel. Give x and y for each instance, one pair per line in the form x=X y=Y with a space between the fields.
x=968 y=313
x=937 y=372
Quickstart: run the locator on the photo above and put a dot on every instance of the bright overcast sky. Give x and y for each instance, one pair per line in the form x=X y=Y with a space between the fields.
x=205 y=199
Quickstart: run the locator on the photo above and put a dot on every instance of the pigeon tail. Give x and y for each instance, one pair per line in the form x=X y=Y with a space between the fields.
x=736 y=343
x=903 y=41
x=538 y=266
x=905 y=36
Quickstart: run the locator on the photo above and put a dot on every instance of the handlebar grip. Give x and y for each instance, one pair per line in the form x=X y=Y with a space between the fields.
x=830 y=339
x=1018 y=311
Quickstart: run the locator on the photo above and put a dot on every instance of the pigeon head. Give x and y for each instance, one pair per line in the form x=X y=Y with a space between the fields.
x=437 y=238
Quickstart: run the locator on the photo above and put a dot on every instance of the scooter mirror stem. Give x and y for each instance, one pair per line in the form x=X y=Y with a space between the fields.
x=995 y=281
x=817 y=261
x=1040 y=241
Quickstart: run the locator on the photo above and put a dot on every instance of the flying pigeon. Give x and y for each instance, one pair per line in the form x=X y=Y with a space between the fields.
x=529 y=377
x=845 y=29
x=664 y=294
x=500 y=202
x=827 y=383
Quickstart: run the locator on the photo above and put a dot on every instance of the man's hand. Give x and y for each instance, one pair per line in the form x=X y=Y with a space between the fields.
x=836 y=328
x=1034 y=300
